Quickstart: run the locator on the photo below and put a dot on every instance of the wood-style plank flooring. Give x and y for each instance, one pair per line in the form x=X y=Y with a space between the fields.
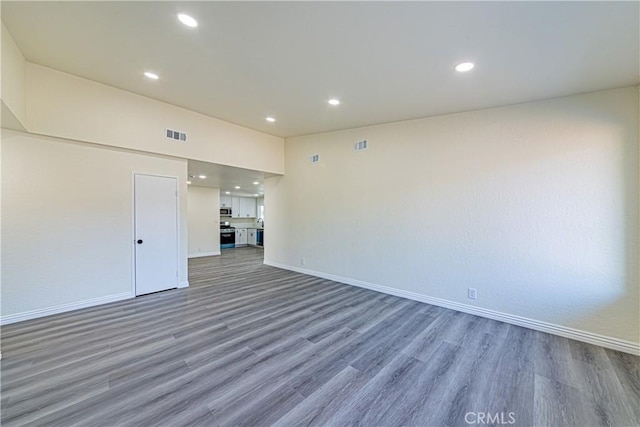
x=251 y=345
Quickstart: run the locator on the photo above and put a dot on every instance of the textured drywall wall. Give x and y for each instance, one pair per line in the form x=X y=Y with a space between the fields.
x=66 y=106
x=12 y=82
x=67 y=220
x=204 y=225
x=534 y=205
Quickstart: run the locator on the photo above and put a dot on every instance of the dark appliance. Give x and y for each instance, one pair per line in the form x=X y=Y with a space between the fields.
x=227 y=236
x=225 y=212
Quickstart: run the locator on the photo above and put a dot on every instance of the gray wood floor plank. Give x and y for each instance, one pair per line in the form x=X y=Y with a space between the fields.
x=273 y=374
x=99 y=364
x=248 y=344
x=557 y=404
x=427 y=342
x=552 y=359
x=607 y=394
x=205 y=381
x=266 y=410
x=589 y=353
x=28 y=409
x=374 y=317
x=412 y=391
x=261 y=379
x=496 y=328
x=317 y=332
x=187 y=415
x=466 y=390
x=319 y=373
x=368 y=405
x=512 y=390
x=145 y=401
x=378 y=356
x=627 y=369
x=320 y=407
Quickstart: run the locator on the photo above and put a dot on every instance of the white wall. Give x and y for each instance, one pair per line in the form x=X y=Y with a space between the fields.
x=204 y=223
x=67 y=222
x=13 y=83
x=58 y=192
x=66 y=106
x=535 y=205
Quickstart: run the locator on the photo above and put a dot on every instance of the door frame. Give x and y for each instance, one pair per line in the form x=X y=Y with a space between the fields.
x=133 y=226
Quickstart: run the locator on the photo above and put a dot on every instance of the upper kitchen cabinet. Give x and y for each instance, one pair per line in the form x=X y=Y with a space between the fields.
x=225 y=201
x=243 y=207
x=235 y=207
x=248 y=207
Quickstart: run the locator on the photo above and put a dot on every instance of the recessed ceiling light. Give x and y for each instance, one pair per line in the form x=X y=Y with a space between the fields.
x=464 y=67
x=202 y=176
x=187 y=20
x=237 y=187
x=227 y=192
x=334 y=101
x=255 y=183
x=152 y=76
x=189 y=182
x=270 y=119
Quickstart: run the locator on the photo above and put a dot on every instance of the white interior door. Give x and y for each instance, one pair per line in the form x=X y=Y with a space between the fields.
x=156 y=233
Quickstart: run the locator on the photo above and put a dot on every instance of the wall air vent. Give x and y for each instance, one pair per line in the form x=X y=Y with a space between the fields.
x=360 y=145
x=315 y=158
x=176 y=135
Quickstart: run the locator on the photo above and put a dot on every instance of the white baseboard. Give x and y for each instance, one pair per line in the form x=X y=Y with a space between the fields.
x=42 y=312
x=184 y=284
x=203 y=254
x=563 y=331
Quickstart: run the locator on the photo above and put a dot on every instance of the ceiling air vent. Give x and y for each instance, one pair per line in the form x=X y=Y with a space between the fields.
x=360 y=145
x=315 y=158
x=176 y=135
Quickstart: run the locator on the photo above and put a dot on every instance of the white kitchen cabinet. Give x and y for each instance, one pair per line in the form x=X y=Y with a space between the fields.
x=225 y=201
x=235 y=207
x=243 y=207
x=241 y=237
x=247 y=207
x=252 y=236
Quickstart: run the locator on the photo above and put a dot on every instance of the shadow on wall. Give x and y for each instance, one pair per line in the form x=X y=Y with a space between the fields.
x=628 y=298
x=582 y=263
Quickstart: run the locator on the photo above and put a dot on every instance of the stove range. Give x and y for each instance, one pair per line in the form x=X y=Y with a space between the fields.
x=227 y=236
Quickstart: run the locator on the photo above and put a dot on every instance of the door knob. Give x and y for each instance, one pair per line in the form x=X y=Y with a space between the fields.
x=139 y=241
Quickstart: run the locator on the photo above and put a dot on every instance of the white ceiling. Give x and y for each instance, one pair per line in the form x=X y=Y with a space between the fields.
x=226 y=178
x=386 y=61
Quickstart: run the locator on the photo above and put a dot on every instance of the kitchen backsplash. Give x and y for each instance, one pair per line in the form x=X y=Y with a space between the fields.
x=243 y=223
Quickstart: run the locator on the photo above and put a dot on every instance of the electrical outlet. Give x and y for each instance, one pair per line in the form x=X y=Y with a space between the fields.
x=472 y=293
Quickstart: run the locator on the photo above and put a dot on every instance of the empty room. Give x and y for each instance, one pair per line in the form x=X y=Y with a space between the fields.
x=320 y=213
